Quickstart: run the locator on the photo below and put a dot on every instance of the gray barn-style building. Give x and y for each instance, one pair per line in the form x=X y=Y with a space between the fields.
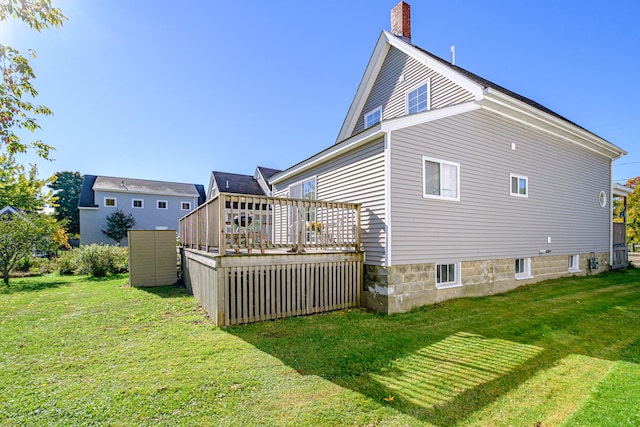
x=155 y=205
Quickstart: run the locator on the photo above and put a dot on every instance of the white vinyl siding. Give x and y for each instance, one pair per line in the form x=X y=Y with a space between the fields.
x=357 y=177
x=487 y=222
x=400 y=73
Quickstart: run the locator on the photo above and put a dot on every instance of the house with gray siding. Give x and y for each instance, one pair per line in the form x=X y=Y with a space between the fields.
x=155 y=205
x=226 y=182
x=467 y=188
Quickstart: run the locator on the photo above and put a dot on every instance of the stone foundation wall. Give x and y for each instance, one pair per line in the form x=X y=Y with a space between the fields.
x=400 y=288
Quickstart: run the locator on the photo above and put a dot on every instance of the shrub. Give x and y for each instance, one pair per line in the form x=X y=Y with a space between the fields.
x=24 y=264
x=100 y=260
x=68 y=262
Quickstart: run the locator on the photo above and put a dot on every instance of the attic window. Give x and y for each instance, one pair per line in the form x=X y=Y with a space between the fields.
x=419 y=99
x=373 y=117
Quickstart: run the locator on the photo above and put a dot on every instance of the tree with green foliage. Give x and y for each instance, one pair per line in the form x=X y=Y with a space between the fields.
x=22 y=233
x=118 y=223
x=17 y=91
x=66 y=187
x=633 y=211
x=21 y=188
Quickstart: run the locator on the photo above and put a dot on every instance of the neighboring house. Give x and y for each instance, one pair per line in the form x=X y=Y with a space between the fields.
x=466 y=187
x=224 y=182
x=9 y=211
x=154 y=204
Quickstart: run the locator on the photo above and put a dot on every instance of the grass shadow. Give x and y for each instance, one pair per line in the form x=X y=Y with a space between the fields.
x=379 y=356
x=31 y=284
x=170 y=291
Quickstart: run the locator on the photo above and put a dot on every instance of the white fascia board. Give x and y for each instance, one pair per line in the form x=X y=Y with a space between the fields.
x=148 y=193
x=87 y=208
x=335 y=150
x=620 y=190
x=503 y=104
x=368 y=79
x=428 y=116
x=437 y=66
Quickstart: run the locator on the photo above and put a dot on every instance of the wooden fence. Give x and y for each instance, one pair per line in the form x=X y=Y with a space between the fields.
x=240 y=222
x=250 y=288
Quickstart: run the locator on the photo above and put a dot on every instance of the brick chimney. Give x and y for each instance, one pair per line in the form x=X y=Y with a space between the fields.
x=401 y=21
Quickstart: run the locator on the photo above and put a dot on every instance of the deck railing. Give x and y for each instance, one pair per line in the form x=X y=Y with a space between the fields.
x=246 y=223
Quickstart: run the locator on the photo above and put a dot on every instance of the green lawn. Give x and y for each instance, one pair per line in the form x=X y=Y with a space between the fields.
x=79 y=351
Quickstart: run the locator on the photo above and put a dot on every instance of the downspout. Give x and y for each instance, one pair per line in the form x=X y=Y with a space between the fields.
x=387 y=196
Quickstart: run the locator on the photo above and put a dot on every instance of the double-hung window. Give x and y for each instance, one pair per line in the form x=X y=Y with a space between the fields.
x=185 y=206
x=110 y=202
x=447 y=275
x=162 y=204
x=519 y=186
x=137 y=203
x=373 y=117
x=441 y=179
x=418 y=99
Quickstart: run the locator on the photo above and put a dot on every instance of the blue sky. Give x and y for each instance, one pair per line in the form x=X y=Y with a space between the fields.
x=173 y=90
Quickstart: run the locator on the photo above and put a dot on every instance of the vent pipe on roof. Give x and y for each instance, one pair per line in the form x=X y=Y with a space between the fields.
x=453 y=54
x=227 y=184
x=401 y=21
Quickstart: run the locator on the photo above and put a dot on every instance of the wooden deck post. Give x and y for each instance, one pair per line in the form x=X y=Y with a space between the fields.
x=222 y=243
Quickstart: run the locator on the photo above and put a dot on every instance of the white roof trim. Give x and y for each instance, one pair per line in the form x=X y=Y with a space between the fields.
x=620 y=190
x=385 y=41
x=428 y=116
x=335 y=150
x=374 y=132
x=508 y=106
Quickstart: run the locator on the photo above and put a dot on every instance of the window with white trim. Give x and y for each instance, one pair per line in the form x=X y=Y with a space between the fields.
x=519 y=185
x=185 y=206
x=110 y=202
x=441 y=179
x=574 y=263
x=373 y=117
x=137 y=203
x=162 y=204
x=447 y=275
x=419 y=99
x=523 y=268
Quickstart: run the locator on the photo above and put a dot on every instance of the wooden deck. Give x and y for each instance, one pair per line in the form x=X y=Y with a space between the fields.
x=252 y=258
x=246 y=288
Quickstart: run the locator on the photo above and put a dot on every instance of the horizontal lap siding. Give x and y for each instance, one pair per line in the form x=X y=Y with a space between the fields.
x=487 y=222
x=356 y=177
x=389 y=92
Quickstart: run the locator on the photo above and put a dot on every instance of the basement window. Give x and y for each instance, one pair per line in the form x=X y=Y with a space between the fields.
x=447 y=275
x=574 y=263
x=523 y=268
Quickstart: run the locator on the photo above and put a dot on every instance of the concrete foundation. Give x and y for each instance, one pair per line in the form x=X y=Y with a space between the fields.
x=399 y=288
